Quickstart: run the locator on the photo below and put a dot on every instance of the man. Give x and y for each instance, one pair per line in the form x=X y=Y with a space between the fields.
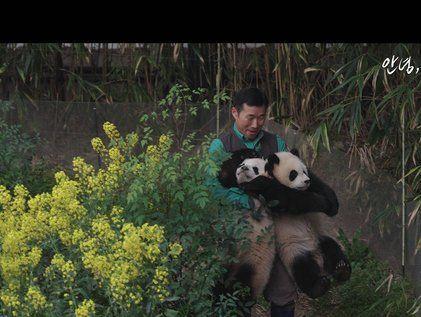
x=249 y=111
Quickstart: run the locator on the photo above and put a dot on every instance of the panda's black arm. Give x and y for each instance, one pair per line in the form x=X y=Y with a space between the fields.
x=258 y=185
x=319 y=187
x=284 y=198
x=295 y=201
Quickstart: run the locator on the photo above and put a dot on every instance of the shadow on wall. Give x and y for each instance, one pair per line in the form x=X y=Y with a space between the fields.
x=368 y=201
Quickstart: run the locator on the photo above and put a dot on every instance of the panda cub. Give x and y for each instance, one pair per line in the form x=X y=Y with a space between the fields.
x=305 y=246
x=255 y=263
x=245 y=169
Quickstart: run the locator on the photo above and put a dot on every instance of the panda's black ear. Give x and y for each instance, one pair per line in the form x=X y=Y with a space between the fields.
x=226 y=179
x=295 y=152
x=272 y=160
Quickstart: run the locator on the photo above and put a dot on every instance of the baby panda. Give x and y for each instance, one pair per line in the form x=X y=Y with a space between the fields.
x=255 y=263
x=303 y=242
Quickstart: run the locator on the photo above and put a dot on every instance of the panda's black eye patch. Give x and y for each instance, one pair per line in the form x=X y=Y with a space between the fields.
x=256 y=170
x=292 y=175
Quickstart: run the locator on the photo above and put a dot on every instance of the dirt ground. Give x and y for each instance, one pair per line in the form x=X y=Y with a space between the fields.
x=303 y=308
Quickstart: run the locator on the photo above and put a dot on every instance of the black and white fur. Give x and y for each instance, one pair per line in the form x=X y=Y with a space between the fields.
x=254 y=264
x=305 y=246
x=309 y=251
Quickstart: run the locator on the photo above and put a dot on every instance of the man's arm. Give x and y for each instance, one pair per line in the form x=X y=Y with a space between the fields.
x=232 y=195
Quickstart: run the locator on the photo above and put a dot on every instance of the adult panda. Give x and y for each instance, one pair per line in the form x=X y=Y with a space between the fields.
x=305 y=246
x=255 y=264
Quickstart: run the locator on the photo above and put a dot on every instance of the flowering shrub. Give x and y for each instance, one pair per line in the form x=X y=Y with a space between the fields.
x=139 y=236
x=71 y=252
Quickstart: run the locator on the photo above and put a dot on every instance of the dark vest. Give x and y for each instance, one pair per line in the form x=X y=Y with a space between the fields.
x=231 y=142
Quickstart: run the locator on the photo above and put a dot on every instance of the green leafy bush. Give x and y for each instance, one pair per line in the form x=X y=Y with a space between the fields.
x=171 y=190
x=373 y=290
x=16 y=153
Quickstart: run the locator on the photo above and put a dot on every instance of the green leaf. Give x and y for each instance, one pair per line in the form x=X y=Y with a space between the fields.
x=325 y=137
x=179 y=196
x=137 y=65
x=21 y=73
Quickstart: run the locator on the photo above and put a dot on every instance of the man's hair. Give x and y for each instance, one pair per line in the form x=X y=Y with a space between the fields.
x=250 y=96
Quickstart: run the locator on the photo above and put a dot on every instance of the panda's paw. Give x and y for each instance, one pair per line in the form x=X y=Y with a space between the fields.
x=342 y=271
x=332 y=209
x=332 y=213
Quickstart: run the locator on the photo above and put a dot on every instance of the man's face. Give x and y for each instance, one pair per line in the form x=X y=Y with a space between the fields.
x=249 y=120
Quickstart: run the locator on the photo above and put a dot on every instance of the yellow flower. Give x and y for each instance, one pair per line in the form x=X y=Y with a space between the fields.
x=35 y=298
x=16 y=257
x=78 y=236
x=111 y=131
x=60 y=177
x=165 y=142
x=175 y=249
x=5 y=196
x=82 y=169
x=98 y=146
x=123 y=274
x=152 y=150
x=86 y=309
x=115 y=155
x=117 y=211
x=34 y=256
x=18 y=204
x=102 y=229
x=67 y=268
x=10 y=299
x=159 y=283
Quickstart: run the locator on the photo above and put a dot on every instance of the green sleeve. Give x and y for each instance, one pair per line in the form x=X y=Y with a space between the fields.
x=232 y=195
x=281 y=144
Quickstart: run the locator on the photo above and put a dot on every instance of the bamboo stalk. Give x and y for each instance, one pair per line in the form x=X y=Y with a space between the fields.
x=218 y=88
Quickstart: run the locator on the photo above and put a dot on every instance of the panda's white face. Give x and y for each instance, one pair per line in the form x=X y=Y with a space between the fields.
x=250 y=169
x=291 y=171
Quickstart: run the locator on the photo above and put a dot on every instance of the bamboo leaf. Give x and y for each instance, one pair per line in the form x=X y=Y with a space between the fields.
x=196 y=51
x=341 y=69
x=176 y=52
x=387 y=279
x=137 y=65
x=312 y=69
x=350 y=81
x=374 y=81
x=28 y=62
x=20 y=72
x=414 y=212
x=331 y=109
x=325 y=137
